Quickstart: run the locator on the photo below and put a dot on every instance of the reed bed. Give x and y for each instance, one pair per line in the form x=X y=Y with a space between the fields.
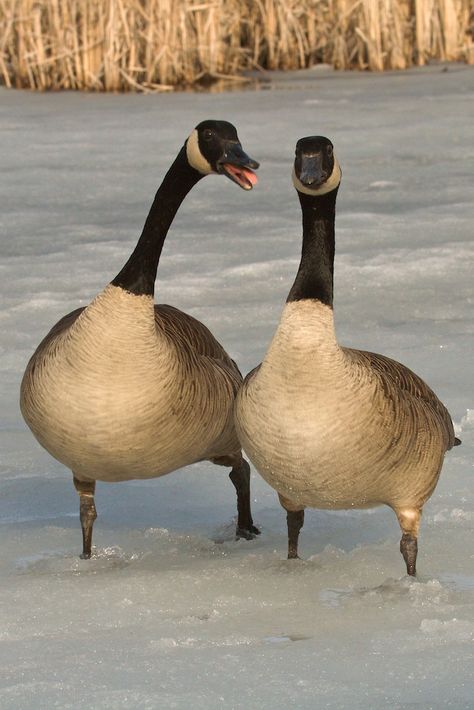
x=157 y=45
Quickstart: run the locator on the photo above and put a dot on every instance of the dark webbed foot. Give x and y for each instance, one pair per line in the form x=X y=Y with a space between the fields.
x=240 y=477
x=247 y=533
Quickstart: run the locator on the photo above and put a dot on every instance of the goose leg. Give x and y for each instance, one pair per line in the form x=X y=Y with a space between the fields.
x=87 y=512
x=295 y=521
x=409 y=520
x=240 y=477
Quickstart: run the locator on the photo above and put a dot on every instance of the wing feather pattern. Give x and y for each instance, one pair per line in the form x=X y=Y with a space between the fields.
x=398 y=381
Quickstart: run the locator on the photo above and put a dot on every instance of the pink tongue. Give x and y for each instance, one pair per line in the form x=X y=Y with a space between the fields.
x=251 y=177
x=249 y=174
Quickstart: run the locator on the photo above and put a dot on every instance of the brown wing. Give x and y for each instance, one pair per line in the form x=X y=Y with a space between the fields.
x=189 y=333
x=405 y=381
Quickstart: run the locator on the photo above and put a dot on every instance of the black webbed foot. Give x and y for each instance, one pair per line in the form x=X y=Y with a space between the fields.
x=247 y=533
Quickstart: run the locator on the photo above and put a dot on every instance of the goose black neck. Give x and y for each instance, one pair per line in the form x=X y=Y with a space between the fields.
x=139 y=273
x=314 y=279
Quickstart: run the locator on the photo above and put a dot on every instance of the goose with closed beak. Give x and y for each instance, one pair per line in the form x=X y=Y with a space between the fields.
x=328 y=426
x=125 y=389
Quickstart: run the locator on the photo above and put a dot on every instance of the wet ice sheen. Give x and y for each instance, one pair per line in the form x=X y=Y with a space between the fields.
x=171 y=612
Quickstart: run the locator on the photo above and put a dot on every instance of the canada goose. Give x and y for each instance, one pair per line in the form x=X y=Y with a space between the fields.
x=126 y=389
x=327 y=426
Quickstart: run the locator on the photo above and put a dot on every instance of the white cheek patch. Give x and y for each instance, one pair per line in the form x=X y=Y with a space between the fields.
x=331 y=183
x=194 y=155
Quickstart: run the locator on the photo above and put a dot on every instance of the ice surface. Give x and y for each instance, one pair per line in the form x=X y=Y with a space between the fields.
x=171 y=612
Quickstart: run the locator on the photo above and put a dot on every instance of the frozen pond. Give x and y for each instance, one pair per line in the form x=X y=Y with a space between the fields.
x=171 y=612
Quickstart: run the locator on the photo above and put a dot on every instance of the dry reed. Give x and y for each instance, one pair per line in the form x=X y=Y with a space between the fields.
x=150 y=45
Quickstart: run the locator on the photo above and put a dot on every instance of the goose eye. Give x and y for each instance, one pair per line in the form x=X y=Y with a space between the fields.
x=207 y=134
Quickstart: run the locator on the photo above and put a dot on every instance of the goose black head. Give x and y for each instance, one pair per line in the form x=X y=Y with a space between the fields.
x=316 y=170
x=214 y=147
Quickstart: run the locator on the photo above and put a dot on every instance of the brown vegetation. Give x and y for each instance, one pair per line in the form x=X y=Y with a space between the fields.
x=118 y=45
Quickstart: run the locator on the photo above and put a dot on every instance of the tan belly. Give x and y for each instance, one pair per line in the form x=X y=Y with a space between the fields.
x=122 y=433
x=304 y=473
x=336 y=456
x=114 y=394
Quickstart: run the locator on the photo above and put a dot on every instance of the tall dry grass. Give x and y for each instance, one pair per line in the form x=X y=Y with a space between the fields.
x=148 y=45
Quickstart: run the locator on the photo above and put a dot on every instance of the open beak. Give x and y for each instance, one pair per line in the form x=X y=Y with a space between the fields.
x=237 y=166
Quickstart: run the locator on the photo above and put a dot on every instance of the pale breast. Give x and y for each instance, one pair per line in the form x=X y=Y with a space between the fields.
x=114 y=400
x=330 y=432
